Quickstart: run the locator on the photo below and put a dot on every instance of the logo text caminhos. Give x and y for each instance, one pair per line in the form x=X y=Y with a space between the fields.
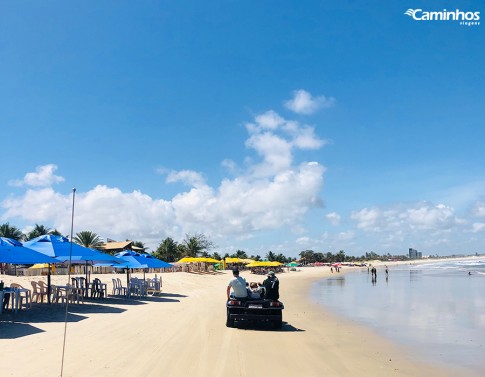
x=444 y=15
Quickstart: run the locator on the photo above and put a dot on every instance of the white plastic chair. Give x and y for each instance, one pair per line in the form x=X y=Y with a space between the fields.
x=122 y=290
x=21 y=298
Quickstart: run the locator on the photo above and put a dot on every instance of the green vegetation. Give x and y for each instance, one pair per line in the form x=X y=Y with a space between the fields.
x=198 y=245
x=9 y=231
x=89 y=239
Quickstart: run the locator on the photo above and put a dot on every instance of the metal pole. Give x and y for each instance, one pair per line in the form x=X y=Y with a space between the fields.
x=68 y=280
x=49 y=283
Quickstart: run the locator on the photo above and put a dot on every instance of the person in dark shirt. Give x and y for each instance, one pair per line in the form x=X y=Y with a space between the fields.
x=271 y=286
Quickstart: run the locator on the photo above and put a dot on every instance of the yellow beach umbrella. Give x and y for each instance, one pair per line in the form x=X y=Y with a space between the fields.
x=187 y=260
x=39 y=265
x=264 y=264
x=209 y=260
x=233 y=260
x=275 y=264
x=197 y=260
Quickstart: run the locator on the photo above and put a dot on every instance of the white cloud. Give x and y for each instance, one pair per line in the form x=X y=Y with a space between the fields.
x=427 y=216
x=38 y=205
x=269 y=120
x=107 y=211
x=366 y=218
x=271 y=193
x=417 y=216
x=478 y=227
x=303 y=102
x=275 y=140
x=303 y=241
x=276 y=152
x=229 y=164
x=478 y=209
x=188 y=177
x=237 y=207
x=346 y=236
x=333 y=217
x=42 y=177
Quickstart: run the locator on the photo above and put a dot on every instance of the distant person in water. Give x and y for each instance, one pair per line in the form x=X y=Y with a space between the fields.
x=374 y=274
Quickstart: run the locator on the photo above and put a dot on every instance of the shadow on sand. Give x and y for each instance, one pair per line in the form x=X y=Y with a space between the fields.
x=48 y=313
x=169 y=295
x=16 y=325
x=14 y=330
x=261 y=326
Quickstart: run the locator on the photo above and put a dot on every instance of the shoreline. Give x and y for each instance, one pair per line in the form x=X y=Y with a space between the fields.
x=360 y=350
x=182 y=332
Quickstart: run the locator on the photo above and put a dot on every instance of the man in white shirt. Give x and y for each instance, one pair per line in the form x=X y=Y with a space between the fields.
x=238 y=285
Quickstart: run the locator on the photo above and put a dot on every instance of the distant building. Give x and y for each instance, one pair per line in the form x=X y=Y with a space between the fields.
x=113 y=247
x=415 y=254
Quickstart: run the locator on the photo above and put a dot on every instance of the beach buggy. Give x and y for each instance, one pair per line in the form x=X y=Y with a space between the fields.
x=256 y=310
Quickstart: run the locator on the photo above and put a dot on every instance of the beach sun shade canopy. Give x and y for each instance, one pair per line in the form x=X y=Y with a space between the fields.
x=264 y=264
x=12 y=252
x=143 y=260
x=187 y=260
x=198 y=260
x=59 y=247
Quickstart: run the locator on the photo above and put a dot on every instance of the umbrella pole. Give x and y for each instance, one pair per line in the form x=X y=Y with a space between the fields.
x=87 y=280
x=128 y=281
x=49 y=283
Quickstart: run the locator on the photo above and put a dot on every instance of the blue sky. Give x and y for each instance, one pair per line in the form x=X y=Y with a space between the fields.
x=265 y=125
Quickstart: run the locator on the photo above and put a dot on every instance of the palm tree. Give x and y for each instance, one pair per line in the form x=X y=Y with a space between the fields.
x=271 y=256
x=241 y=254
x=281 y=258
x=55 y=232
x=89 y=239
x=10 y=231
x=195 y=244
x=216 y=255
x=168 y=250
x=39 y=230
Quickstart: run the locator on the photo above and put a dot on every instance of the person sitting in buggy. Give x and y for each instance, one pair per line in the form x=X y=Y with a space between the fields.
x=238 y=285
x=256 y=290
x=271 y=287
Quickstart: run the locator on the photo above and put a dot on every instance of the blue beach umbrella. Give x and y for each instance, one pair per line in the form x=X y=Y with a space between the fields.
x=12 y=252
x=142 y=259
x=135 y=260
x=60 y=248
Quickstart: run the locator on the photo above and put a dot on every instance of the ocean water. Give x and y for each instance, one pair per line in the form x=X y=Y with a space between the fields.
x=436 y=310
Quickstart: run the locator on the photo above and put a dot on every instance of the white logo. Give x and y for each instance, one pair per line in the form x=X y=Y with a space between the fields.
x=410 y=12
x=465 y=18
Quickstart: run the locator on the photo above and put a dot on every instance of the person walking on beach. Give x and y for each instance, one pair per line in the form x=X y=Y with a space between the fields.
x=238 y=285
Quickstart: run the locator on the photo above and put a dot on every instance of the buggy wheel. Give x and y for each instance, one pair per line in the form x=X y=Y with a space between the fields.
x=278 y=324
x=229 y=321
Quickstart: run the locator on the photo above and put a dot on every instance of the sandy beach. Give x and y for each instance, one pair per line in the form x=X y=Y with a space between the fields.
x=182 y=332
